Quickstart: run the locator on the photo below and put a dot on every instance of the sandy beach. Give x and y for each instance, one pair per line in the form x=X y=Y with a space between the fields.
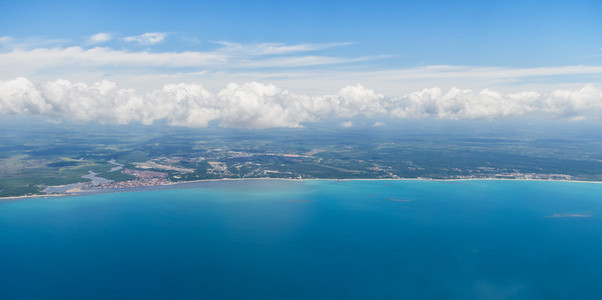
x=195 y=183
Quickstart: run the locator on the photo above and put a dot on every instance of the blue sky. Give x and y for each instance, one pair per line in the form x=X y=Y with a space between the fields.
x=490 y=33
x=368 y=51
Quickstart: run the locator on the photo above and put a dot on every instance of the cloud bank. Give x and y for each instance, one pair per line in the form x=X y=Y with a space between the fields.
x=256 y=105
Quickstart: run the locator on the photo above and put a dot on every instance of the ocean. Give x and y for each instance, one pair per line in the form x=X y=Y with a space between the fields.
x=322 y=239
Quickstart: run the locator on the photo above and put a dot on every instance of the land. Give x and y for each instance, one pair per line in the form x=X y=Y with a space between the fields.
x=63 y=158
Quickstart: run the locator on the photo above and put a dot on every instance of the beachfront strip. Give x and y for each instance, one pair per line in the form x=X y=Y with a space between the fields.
x=145 y=178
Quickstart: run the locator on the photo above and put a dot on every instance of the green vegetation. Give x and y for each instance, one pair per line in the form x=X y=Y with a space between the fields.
x=62 y=155
x=116 y=176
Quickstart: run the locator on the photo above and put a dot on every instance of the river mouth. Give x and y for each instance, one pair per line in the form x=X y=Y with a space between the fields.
x=72 y=187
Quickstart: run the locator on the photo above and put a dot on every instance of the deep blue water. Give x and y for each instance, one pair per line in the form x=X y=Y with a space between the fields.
x=309 y=240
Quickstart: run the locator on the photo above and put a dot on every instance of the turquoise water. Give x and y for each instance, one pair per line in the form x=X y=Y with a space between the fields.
x=309 y=240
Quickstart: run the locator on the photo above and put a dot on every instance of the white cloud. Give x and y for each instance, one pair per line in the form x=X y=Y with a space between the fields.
x=289 y=66
x=275 y=48
x=279 y=48
x=77 y=58
x=346 y=124
x=379 y=124
x=149 y=38
x=20 y=96
x=302 y=61
x=10 y=43
x=99 y=38
x=355 y=100
x=255 y=105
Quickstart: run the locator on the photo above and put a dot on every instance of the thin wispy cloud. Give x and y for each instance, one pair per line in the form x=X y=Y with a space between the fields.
x=268 y=49
x=346 y=124
x=26 y=57
x=149 y=38
x=230 y=55
x=10 y=43
x=302 y=61
x=276 y=48
x=312 y=68
x=459 y=72
x=104 y=57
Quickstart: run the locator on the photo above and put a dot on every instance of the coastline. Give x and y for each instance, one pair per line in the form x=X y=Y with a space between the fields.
x=184 y=184
x=24 y=197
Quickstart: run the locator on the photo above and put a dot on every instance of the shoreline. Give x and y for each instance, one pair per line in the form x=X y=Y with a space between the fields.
x=33 y=196
x=174 y=185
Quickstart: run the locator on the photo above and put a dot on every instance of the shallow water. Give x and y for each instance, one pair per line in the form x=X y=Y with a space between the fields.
x=309 y=239
x=62 y=189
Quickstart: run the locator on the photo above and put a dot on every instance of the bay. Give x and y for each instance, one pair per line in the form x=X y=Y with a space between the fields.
x=322 y=239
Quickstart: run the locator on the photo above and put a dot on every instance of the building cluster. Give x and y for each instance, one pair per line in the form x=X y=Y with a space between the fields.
x=134 y=183
x=143 y=178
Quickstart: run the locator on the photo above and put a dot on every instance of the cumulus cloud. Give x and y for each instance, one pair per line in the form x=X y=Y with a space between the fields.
x=378 y=124
x=256 y=105
x=463 y=104
x=149 y=38
x=99 y=38
x=259 y=106
x=20 y=96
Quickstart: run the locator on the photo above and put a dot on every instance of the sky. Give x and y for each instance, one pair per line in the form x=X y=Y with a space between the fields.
x=262 y=64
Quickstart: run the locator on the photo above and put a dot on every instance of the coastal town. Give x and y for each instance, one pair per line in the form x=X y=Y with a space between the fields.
x=107 y=161
x=169 y=170
x=143 y=178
